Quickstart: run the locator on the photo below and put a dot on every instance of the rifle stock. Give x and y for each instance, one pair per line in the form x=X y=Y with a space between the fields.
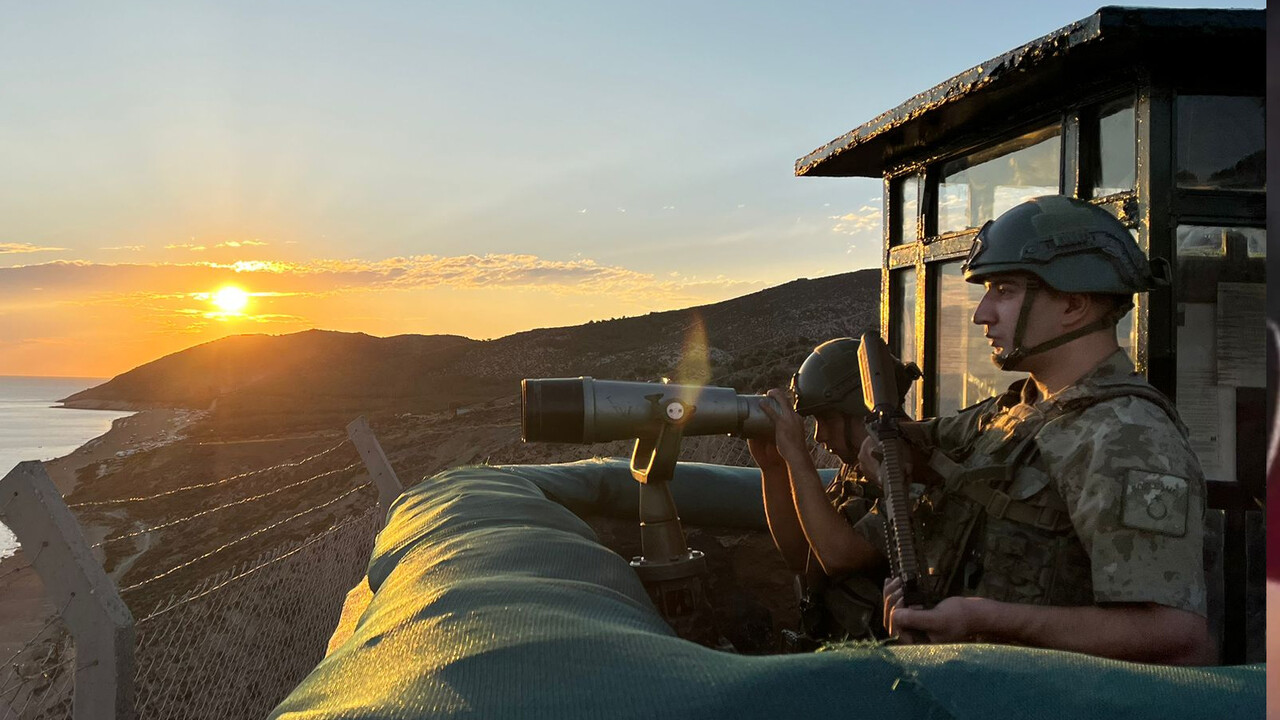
x=881 y=394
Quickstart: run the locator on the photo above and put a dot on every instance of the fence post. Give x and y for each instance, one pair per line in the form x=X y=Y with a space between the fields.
x=389 y=487
x=98 y=619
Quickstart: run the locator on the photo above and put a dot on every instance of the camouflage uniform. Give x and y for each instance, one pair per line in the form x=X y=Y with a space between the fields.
x=847 y=607
x=1093 y=496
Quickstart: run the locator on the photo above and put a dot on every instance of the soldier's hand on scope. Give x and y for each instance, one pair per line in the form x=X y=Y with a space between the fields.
x=765 y=452
x=788 y=427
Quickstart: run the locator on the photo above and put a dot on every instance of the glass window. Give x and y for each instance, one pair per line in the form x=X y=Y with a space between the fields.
x=1116 y=155
x=1221 y=338
x=906 y=199
x=978 y=187
x=1212 y=241
x=1220 y=142
x=965 y=373
x=902 y=293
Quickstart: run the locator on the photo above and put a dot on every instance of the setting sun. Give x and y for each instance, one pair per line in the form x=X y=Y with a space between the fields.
x=230 y=300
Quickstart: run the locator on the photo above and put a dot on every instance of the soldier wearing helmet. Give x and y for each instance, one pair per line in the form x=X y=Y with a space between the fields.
x=1068 y=511
x=814 y=528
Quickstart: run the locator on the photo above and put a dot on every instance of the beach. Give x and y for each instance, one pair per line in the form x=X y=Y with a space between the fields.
x=24 y=610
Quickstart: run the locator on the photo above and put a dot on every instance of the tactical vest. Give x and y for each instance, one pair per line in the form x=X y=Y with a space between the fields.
x=998 y=527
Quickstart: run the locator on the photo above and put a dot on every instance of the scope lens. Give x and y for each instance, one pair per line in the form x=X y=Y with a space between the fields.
x=551 y=410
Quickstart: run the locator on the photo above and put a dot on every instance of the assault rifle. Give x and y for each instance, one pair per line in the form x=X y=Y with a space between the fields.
x=880 y=393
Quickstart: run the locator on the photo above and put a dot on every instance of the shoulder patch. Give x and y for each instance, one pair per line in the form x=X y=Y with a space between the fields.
x=1155 y=503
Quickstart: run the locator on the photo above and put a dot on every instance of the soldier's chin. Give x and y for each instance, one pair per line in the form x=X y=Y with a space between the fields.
x=1002 y=361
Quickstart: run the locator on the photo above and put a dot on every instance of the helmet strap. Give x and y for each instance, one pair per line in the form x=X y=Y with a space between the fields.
x=848 y=436
x=1009 y=361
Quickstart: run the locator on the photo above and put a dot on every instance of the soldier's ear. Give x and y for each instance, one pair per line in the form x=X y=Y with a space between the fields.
x=1081 y=308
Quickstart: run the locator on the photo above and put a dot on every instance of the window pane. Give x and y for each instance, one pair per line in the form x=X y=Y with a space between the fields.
x=1212 y=241
x=977 y=188
x=1116 y=157
x=1221 y=337
x=1221 y=142
x=906 y=210
x=902 y=293
x=965 y=373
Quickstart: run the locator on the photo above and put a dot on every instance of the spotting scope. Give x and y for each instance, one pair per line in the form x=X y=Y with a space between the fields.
x=584 y=410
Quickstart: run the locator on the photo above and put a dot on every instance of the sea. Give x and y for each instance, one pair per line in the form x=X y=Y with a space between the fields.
x=33 y=427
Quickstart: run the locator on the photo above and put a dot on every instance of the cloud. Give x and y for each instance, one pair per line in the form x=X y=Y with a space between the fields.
x=133 y=248
x=129 y=282
x=866 y=219
x=240 y=243
x=185 y=246
x=7 y=248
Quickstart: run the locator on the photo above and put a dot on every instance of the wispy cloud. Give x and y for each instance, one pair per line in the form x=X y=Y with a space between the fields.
x=186 y=246
x=8 y=248
x=240 y=243
x=866 y=219
x=131 y=248
x=580 y=276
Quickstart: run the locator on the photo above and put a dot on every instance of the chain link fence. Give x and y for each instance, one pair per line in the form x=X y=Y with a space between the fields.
x=237 y=644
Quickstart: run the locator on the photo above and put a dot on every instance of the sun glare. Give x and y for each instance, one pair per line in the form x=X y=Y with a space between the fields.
x=230 y=300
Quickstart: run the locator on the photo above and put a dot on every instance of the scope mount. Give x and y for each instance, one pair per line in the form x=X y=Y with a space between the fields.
x=673 y=574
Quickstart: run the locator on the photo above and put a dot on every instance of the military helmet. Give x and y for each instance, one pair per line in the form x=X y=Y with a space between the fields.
x=1070 y=244
x=829 y=379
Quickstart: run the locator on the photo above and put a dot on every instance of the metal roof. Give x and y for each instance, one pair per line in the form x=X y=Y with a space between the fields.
x=1089 y=50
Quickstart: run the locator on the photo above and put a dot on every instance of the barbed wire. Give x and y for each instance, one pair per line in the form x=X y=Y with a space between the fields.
x=15 y=570
x=318 y=537
x=171 y=523
x=56 y=681
x=200 y=486
x=236 y=650
x=30 y=563
x=52 y=619
x=255 y=533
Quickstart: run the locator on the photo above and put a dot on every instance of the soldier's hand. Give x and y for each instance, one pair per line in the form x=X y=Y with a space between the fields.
x=869 y=457
x=955 y=619
x=788 y=427
x=765 y=452
x=871 y=454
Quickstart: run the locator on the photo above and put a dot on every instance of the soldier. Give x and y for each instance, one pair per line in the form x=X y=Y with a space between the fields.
x=1067 y=512
x=841 y=594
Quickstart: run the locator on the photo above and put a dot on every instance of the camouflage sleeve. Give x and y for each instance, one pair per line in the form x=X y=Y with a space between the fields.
x=954 y=431
x=1135 y=493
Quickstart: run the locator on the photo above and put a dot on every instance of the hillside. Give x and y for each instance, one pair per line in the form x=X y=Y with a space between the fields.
x=265 y=404
x=318 y=377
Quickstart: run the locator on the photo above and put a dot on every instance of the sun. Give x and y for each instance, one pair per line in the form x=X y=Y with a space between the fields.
x=230 y=300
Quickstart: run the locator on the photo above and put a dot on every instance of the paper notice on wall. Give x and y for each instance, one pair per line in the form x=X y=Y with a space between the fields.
x=1242 y=334
x=1200 y=405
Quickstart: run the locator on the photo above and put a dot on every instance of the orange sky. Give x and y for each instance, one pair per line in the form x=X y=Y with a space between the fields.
x=98 y=320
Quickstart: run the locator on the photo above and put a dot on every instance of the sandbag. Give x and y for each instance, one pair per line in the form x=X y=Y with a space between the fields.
x=491 y=600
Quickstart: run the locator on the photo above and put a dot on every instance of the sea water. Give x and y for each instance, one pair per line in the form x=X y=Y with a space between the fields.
x=33 y=427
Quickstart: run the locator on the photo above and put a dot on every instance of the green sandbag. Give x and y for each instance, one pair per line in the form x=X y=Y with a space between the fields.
x=491 y=601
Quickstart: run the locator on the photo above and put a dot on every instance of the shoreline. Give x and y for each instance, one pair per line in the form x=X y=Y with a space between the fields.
x=23 y=608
